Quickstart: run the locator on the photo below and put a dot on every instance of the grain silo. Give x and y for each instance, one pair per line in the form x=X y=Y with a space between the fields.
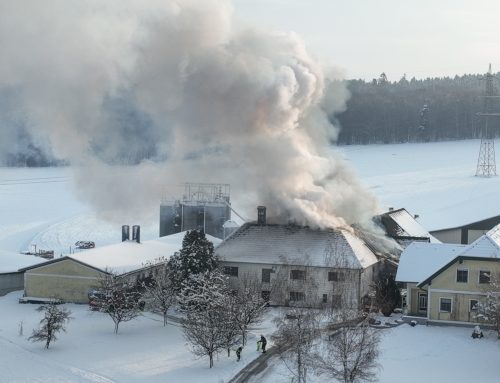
x=202 y=207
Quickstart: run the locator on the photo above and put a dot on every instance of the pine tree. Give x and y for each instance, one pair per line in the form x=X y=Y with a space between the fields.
x=387 y=295
x=195 y=257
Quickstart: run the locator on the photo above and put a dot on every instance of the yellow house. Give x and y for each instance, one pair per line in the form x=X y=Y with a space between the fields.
x=444 y=282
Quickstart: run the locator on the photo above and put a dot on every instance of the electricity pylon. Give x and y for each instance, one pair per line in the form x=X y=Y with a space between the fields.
x=486 y=164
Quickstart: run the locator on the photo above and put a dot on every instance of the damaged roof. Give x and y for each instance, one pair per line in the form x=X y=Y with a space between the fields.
x=296 y=245
x=402 y=225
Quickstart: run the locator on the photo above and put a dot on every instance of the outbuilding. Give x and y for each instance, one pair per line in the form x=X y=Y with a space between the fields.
x=71 y=278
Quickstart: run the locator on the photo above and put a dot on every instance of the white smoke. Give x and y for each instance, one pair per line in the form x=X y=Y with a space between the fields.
x=172 y=81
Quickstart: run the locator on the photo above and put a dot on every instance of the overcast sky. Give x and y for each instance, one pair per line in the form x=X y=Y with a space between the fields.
x=424 y=38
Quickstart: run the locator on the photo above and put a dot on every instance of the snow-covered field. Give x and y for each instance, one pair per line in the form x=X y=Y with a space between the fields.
x=143 y=350
x=434 y=180
x=422 y=354
x=38 y=207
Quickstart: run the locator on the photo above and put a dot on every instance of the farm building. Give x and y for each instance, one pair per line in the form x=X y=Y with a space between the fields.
x=10 y=278
x=468 y=232
x=445 y=281
x=203 y=207
x=71 y=278
x=297 y=265
x=404 y=228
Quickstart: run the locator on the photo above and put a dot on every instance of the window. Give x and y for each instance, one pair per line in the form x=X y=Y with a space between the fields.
x=296 y=296
x=484 y=276
x=473 y=305
x=325 y=298
x=336 y=276
x=445 y=305
x=422 y=301
x=232 y=271
x=462 y=275
x=298 y=274
x=266 y=275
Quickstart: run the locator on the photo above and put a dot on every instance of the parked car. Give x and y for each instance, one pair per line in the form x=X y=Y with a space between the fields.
x=84 y=245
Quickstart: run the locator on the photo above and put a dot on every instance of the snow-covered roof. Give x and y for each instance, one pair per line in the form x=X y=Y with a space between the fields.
x=403 y=224
x=127 y=256
x=421 y=259
x=487 y=245
x=295 y=245
x=11 y=262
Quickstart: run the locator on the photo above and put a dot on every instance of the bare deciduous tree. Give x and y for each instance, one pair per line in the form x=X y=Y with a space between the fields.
x=351 y=355
x=119 y=299
x=53 y=321
x=161 y=292
x=249 y=305
x=208 y=323
x=294 y=339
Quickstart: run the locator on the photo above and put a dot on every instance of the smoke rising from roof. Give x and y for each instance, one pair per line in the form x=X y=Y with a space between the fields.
x=173 y=88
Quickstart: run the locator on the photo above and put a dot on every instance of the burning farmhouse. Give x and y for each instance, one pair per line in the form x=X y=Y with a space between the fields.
x=300 y=265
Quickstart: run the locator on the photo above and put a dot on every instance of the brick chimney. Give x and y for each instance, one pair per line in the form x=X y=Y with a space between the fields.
x=261 y=215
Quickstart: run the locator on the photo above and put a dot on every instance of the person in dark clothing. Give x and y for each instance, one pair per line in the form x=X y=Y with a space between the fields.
x=263 y=342
x=238 y=353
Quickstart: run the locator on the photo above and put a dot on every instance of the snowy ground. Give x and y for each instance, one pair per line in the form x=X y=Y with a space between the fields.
x=143 y=351
x=38 y=206
x=434 y=180
x=422 y=354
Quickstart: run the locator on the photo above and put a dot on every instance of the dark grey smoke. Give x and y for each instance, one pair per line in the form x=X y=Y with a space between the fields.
x=173 y=87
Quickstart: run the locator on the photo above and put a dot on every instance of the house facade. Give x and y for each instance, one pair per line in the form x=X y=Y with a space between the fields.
x=301 y=285
x=295 y=265
x=454 y=291
x=444 y=282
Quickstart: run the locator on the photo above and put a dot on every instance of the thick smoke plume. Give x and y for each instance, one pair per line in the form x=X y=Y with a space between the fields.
x=174 y=89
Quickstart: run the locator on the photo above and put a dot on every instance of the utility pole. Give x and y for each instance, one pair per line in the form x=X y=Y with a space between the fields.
x=486 y=164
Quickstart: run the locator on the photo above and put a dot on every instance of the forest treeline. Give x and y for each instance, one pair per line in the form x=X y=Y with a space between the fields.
x=378 y=111
x=433 y=109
